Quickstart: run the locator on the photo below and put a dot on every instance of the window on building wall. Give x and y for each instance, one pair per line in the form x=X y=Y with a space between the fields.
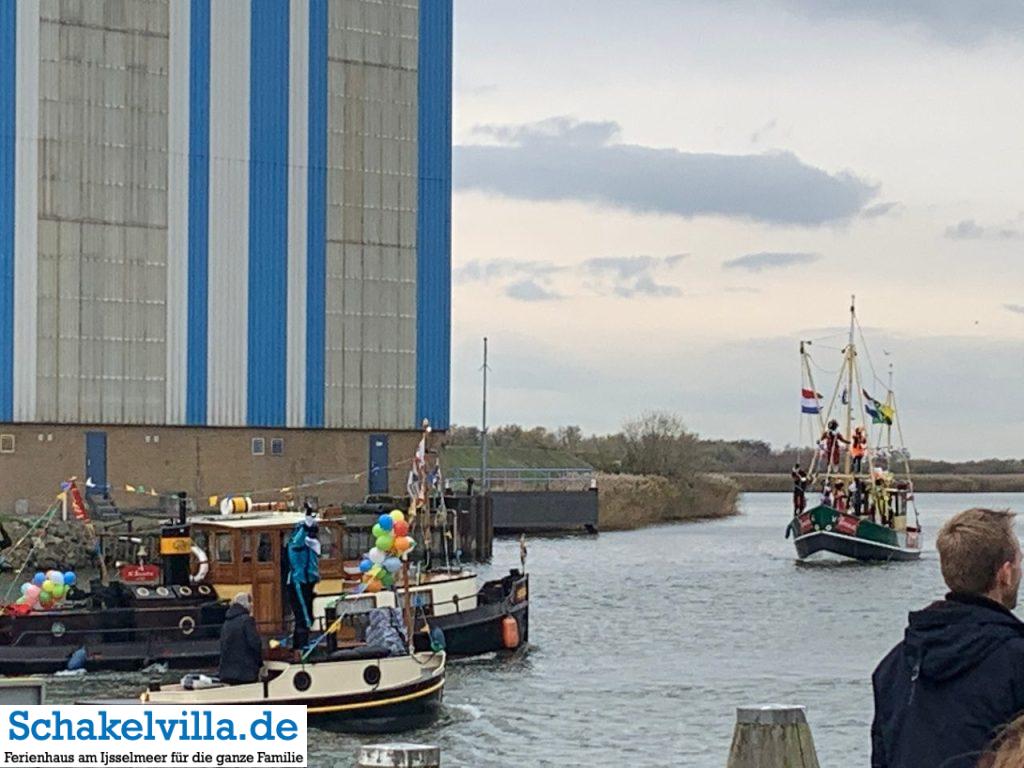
x=6 y=443
x=259 y=447
x=277 y=446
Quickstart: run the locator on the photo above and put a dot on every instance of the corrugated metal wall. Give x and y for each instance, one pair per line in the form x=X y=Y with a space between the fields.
x=102 y=211
x=227 y=212
x=371 y=214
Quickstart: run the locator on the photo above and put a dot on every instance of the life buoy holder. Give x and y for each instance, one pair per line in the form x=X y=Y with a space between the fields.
x=204 y=566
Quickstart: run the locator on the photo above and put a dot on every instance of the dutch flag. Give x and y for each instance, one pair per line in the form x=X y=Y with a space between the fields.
x=810 y=401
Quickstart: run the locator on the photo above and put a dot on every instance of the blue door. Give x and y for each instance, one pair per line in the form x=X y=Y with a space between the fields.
x=95 y=462
x=378 y=464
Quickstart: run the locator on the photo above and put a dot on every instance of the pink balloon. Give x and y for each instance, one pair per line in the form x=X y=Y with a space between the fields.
x=32 y=592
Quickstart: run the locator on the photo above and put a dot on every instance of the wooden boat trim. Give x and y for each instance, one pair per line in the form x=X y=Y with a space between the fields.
x=378 y=702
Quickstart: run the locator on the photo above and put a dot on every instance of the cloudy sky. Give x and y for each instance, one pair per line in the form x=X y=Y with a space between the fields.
x=656 y=200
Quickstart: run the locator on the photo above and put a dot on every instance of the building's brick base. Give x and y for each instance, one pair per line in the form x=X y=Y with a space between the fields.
x=204 y=461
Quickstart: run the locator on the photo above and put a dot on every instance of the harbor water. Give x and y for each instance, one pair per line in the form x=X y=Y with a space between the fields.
x=644 y=642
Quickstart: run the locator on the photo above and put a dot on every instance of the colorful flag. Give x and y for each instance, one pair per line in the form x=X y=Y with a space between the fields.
x=879 y=412
x=810 y=401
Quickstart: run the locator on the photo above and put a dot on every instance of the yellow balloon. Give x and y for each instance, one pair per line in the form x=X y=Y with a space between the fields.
x=47 y=586
x=397 y=515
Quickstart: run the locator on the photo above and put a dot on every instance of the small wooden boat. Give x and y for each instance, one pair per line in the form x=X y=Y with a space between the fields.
x=358 y=690
x=867 y=510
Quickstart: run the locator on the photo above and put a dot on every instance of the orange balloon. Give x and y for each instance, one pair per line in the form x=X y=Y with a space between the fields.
x=374 y=586
x=402 y=543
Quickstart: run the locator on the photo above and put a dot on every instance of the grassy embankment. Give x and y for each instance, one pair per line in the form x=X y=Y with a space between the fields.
x=625 y=501
x=922 y=483
x=634 y=501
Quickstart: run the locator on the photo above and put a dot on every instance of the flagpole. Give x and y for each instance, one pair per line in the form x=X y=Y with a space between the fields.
x=483 y=429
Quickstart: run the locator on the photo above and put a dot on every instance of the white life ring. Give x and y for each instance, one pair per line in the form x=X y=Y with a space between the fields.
x=204 y=565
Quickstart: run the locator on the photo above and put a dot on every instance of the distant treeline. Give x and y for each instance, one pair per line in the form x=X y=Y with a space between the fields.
x=658 y=443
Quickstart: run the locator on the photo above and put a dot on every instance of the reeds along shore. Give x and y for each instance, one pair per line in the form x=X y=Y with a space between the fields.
x=634 y=501
x=769 y=482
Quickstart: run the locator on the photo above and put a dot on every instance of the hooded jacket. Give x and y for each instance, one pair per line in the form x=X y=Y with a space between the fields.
x=241 y=650
x=942 y=694
x=303 y=558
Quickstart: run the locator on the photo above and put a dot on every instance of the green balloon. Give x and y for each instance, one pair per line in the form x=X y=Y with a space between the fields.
x=386 y=579
x=377 y=531
x=385 y=542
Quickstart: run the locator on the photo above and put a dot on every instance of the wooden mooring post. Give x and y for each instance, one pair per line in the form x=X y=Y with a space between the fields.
x=772 y=736
x=399 y=756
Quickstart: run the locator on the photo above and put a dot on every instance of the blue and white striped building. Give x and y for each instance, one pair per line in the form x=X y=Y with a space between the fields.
x=225 y=213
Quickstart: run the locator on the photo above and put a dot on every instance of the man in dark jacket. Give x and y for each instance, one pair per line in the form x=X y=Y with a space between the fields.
x=958 y=676
x=241 y=650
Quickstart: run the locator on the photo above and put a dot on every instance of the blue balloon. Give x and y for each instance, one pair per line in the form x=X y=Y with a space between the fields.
x=385 y=522
x=392 y=565
x=365 y=565
x=39 y=578
x=70 y=578
x=24 y=588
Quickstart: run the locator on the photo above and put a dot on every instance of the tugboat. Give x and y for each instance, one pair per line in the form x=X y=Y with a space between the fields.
x=247 y=554
x=151 y=615
x=867 y=510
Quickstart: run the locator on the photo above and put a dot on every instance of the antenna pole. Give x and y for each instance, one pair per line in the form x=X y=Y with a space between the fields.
x=483 y=430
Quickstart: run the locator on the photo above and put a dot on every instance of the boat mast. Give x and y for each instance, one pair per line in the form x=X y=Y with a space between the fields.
x=850 y=354
x=889 y=402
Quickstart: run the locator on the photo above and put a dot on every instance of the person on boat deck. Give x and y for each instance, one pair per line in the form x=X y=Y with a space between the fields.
x=858 y=497
x=830 y=440
x=304 y=574
x=957 y=677
x=858 y=447
x=839 y=497
x=826 y=495
x=241 y=650
x=800 y=483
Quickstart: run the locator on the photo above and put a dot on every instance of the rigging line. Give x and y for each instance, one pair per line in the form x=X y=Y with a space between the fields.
x=867 y=352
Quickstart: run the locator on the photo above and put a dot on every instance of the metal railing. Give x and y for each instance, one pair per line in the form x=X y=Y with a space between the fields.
x=524 y=476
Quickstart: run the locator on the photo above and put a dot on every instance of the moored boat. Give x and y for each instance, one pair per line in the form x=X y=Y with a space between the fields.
x=867 y=509
x=150 y=615
x=360 y=690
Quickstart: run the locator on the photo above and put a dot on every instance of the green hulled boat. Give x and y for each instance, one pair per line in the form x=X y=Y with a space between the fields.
x=866 y=509
x=824 y=530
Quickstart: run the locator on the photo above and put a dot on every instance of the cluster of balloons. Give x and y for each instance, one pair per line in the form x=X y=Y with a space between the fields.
x=44 y=591
x=382 y=562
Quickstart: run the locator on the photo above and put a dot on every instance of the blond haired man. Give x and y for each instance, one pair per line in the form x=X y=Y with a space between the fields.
x=958 y=675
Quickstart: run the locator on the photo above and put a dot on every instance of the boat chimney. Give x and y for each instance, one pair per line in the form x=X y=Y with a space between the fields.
x=176 y=546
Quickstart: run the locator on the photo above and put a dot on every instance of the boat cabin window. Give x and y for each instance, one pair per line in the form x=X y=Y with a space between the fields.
x=330 y=547
x=246 y=547
x=224 y=548
x=264 y=550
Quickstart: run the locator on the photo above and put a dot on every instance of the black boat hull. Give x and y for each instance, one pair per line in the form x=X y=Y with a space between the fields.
x=121 y=639
x=852 y=547
x=479 y=630
x=404 y=709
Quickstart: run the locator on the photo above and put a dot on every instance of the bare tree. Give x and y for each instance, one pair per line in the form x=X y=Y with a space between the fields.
x=657 y=443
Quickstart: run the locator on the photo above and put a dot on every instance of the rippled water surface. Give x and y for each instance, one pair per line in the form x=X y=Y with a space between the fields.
x=645 y=642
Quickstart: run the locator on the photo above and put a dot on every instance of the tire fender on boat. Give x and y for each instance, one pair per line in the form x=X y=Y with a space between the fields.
x=204 y=565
